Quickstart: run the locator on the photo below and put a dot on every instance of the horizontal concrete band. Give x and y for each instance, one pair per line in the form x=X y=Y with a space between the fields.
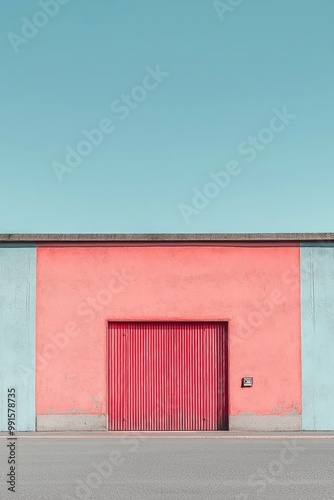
x=265 y=423
x=176 y=237
x=71 y=423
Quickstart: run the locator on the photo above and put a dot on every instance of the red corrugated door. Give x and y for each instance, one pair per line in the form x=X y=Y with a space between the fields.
x=167 y=376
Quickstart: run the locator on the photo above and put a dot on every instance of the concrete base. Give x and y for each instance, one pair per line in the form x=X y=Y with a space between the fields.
x=261 y=423
x=71 y=423
x=265 y=423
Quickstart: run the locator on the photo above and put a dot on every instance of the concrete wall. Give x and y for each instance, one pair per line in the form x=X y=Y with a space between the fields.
x=255 y=287
x=317 y=307
x=17 y=332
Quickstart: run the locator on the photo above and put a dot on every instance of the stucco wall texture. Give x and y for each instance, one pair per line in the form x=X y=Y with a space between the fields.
x=255 y=287
x=17 y=333
x=317 y=292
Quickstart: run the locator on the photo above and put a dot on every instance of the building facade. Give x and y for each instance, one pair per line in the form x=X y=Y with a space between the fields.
x=168 y=332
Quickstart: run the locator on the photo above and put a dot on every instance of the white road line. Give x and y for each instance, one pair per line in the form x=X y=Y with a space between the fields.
x=164 y=437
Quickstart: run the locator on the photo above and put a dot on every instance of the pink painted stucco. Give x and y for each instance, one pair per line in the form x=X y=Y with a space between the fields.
x=79 y=288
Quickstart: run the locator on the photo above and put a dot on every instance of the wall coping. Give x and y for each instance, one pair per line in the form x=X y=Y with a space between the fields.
x=164 y=237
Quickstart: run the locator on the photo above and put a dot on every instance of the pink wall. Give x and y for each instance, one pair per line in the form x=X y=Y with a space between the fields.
x=80 y=287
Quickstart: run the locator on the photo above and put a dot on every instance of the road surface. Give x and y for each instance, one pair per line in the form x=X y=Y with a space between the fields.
x=166 y=466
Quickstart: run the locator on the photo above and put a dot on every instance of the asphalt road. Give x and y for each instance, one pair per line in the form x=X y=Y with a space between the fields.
x=169 y=467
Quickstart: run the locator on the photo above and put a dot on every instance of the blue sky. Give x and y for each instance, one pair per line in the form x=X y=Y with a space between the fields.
x=221 y=77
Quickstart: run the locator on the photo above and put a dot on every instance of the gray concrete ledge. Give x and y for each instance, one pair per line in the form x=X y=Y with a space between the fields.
x=51 y=423
x=265 y=423
x=240 y=423
x=172 y=435
x=176 y=237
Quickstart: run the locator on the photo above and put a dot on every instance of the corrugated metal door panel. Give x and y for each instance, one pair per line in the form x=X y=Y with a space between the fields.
x=167 y=376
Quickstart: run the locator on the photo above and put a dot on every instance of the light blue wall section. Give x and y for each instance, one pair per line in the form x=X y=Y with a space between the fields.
x=17 y=332
x=317 y=309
